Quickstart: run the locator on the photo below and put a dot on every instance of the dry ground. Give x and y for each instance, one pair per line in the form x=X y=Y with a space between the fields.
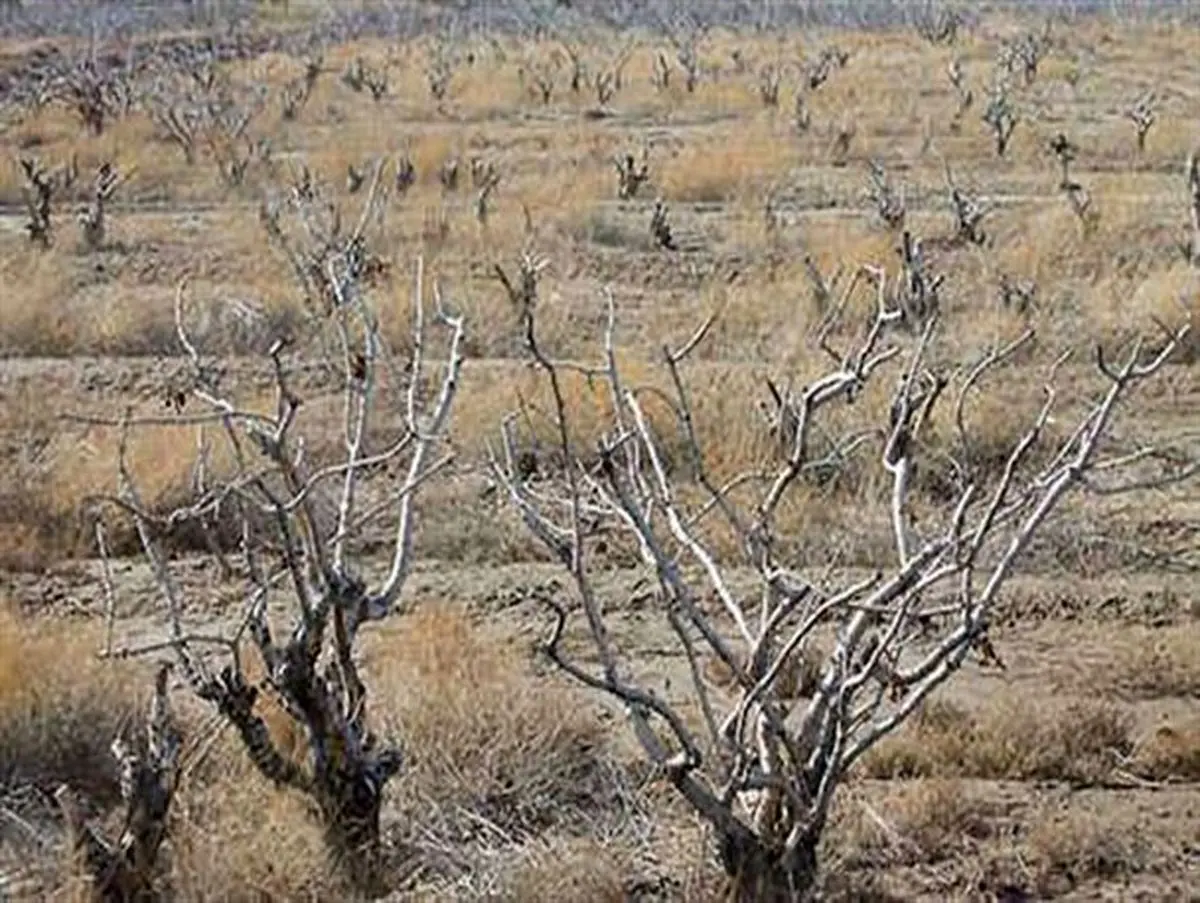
x=1072 y=774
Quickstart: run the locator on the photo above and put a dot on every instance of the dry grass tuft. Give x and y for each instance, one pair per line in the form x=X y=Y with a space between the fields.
x=1155 y=664
x=1068 y=849
x=60 y=707
x=491 y=747
x=1076 y=741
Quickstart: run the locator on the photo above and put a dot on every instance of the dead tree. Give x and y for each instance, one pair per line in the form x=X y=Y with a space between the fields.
x=295 y=94
x=660 y=227
x=39 y=191
x=302 y=528
x=406 y=175
x=915 y=294
x=1193 y=180
x=769 y=77
x=966 y=97
x=969 y=213
x=763 y=770
x=127 y=869
x=686 y=37
x=1080 y=200
x=92 y=222
x=1143 y=114
x=889 y=203
x=1064 y=151
x=937 y=24
x=631 y=175
x=1000 y=117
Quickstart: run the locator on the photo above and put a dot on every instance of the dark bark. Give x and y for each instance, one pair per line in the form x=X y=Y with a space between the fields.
x=759 y=874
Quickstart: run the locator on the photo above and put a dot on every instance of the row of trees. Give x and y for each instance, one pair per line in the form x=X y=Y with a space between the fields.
x=762 y=767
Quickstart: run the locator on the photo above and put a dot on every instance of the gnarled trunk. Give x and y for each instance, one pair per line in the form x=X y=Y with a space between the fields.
x=760 y=874
x=350 y=802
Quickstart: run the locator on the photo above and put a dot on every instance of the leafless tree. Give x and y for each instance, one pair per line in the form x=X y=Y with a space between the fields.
x=126 y=869
x=686 y=35
x=92 y=221
x=660 y=227
x=1143 y=114
x=889 y=203
x=1065 y=151
x=801 y=115
x=969 y=212
x=762 y=769
x=300 y=540
x=631 y=174
x=769 y=77
x=936 y=23
x=406 y=174
x=915 y=294
x=1080 y=200
x=39 y=191
x=1000 y=116
x=966 y=97
x=1017 y=294
x=295 y=94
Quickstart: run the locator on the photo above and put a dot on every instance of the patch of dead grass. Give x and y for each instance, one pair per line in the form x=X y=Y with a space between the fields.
x=490 y=747
x=1010 y=738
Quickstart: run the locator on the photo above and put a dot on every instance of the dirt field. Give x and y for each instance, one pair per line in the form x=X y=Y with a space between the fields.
x=1072 y=772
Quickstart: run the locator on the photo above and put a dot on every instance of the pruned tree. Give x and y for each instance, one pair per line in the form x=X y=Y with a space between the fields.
x=660 y=227
x=763 y=769
x=39 y=190
x=1065 y=151
x=92 y=222
x=966 y=97
x=300 y=540
x=969 y=212
x=126 y=869
x=936 y=23
x=631 y=174
x=769 y=77
x=1143 y=115
x=889 y=202
x=1000 y=116
x=295 y=94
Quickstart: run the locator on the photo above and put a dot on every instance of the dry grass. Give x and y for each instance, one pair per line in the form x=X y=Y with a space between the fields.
x=60 y=707
x=491 y=748
x=1156 y=664
x=1009 y=739
x=1078 y=847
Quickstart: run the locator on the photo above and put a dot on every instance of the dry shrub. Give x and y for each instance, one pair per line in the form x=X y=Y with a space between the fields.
x=568 y=870
x=60 y=707
x=1156 y=664
x=1011 y=739
x=1067 y=849
x=1171 y=752
x=236 y=838
x=922 y=821
x=487 y=741
x=715 y=173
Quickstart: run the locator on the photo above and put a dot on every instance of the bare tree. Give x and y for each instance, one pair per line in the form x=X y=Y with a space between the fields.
x=39 y=191
x=126 y=869
x=1065 y=151
x=966 y=97
x=969 y=212
x=300 y=541
x=92 y=221
x=631 y=174
x=660 y=227
x=762 y=769
x=1143 y=114
x=889 y=202
x=1000 y=116
x=936 y=23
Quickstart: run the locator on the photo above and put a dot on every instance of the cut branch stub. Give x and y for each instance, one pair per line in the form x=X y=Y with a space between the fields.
x=126 y=869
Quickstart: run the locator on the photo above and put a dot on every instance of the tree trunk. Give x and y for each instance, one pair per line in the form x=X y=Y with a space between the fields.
x=758 y=874
x=350 y=803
